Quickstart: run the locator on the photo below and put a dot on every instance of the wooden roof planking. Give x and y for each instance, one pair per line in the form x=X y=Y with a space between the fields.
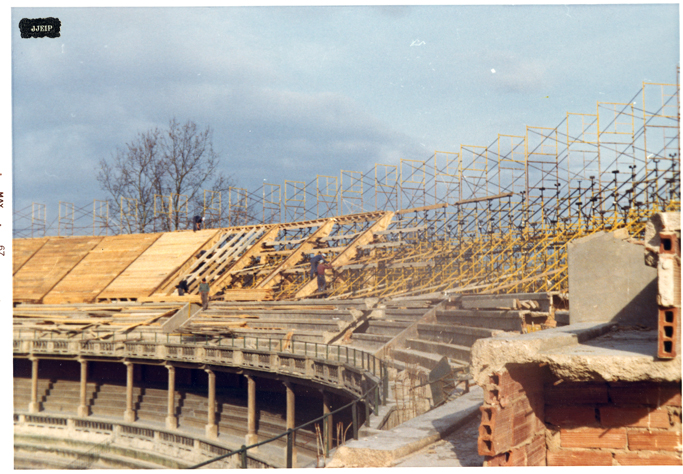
x=23 y=250
x=162 y=259
x=99 y=268
x=49 y=265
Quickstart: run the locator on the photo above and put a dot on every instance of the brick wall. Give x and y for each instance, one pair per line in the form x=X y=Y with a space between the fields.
x=512 y=432
x=611 y=424
x=529 y=419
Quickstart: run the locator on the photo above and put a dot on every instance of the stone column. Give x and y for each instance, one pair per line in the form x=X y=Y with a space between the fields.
x=252 y=436
x=34 y=404
x=171 y=420
x=83 y=408
x=211 y=427
x=291 y=419
x=129 y=414
x=327 y=408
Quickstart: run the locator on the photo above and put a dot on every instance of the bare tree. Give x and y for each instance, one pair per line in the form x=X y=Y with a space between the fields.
x=176 y=165
x=135 y=172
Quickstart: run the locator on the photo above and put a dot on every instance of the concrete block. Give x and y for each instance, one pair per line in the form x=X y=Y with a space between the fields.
x=609 y=282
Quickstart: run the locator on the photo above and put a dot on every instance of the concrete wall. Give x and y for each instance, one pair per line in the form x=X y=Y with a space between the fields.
x=609 y=282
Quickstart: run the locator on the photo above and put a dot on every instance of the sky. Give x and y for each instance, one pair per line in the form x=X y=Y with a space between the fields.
x=292 y=92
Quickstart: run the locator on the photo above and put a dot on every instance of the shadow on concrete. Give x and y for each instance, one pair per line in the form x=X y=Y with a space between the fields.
x=463 y=443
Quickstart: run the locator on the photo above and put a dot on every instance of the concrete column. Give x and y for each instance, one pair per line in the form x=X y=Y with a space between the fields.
x=83 y=408
x=34 y=405
x=291 y=419
x=327 y=408
x=211 y=427
x=171 y=420
x=252 y=436
x=129 y=414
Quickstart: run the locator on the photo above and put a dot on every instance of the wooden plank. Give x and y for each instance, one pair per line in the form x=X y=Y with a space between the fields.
x=347 y=255
x=49 y=265
x=161 y=260
x=167 y=286
x=23 y=250
x=323 y=231
x=99 y=268
x=247 y=294
x=243 y=261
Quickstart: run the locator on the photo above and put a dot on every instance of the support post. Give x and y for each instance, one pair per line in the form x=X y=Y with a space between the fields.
x=252 y=436
x=211 y=427
x=171 y=420
x=385 y=383
x=129 y=414
x=354 y=419
x=328 y=425
x=83 y=409
x=34 y=405
x=291 y=451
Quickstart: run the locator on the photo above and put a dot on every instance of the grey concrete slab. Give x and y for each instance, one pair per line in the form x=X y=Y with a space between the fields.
x=609 y=281
x=386 y=447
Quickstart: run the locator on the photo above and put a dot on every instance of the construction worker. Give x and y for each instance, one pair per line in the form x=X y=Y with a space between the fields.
x=322 y=266
x=204 y=291
x=315 y=260
x=182 y=288
x=198 y=222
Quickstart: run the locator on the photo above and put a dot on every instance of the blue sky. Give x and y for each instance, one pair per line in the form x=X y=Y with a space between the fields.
x=292 y=92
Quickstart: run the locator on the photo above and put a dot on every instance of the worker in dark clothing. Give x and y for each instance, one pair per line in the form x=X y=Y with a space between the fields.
x=198 y=221
x=321 y=275
x=204 y=291
x=182 y=288
x=315 y=260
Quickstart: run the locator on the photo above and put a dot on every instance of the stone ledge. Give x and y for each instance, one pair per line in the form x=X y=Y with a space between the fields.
x=579 y=352
x=386 y=447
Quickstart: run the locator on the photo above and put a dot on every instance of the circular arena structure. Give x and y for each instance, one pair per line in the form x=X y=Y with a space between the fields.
x=446 y=305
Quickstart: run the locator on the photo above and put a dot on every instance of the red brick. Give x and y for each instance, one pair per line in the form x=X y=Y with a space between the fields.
x=579 y=457
x=576 y=393
x=645 y=393
x=593 y=438
x=536 y=451
x=653 y=440
x=642 y=459
x=643 y=417
x=570 y=416
x=496 y=461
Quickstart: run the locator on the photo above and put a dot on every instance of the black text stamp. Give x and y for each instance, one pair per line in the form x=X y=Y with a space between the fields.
x=39 y=27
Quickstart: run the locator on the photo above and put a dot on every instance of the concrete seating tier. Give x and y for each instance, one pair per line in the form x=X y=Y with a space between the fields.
x=452 y=334
x=65 y=396
x=500 y=320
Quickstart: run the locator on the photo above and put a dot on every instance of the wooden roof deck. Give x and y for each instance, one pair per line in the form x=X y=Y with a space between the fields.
x=161 y=260
x=49 y=265
x=99 y=268
x=23 y=250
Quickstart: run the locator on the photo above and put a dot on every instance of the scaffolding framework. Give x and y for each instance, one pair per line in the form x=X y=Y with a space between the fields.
x=494 y=218
x=100 y=217
x=212 y=208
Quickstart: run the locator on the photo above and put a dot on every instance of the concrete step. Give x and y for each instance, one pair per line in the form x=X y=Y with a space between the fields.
x=411 y=315
x=299 y=315
x=505 y=301
x=390 y=328
x=414 y=357
x=452 y=351
x=369 y=342
x=452 y=334
x=501 y=320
